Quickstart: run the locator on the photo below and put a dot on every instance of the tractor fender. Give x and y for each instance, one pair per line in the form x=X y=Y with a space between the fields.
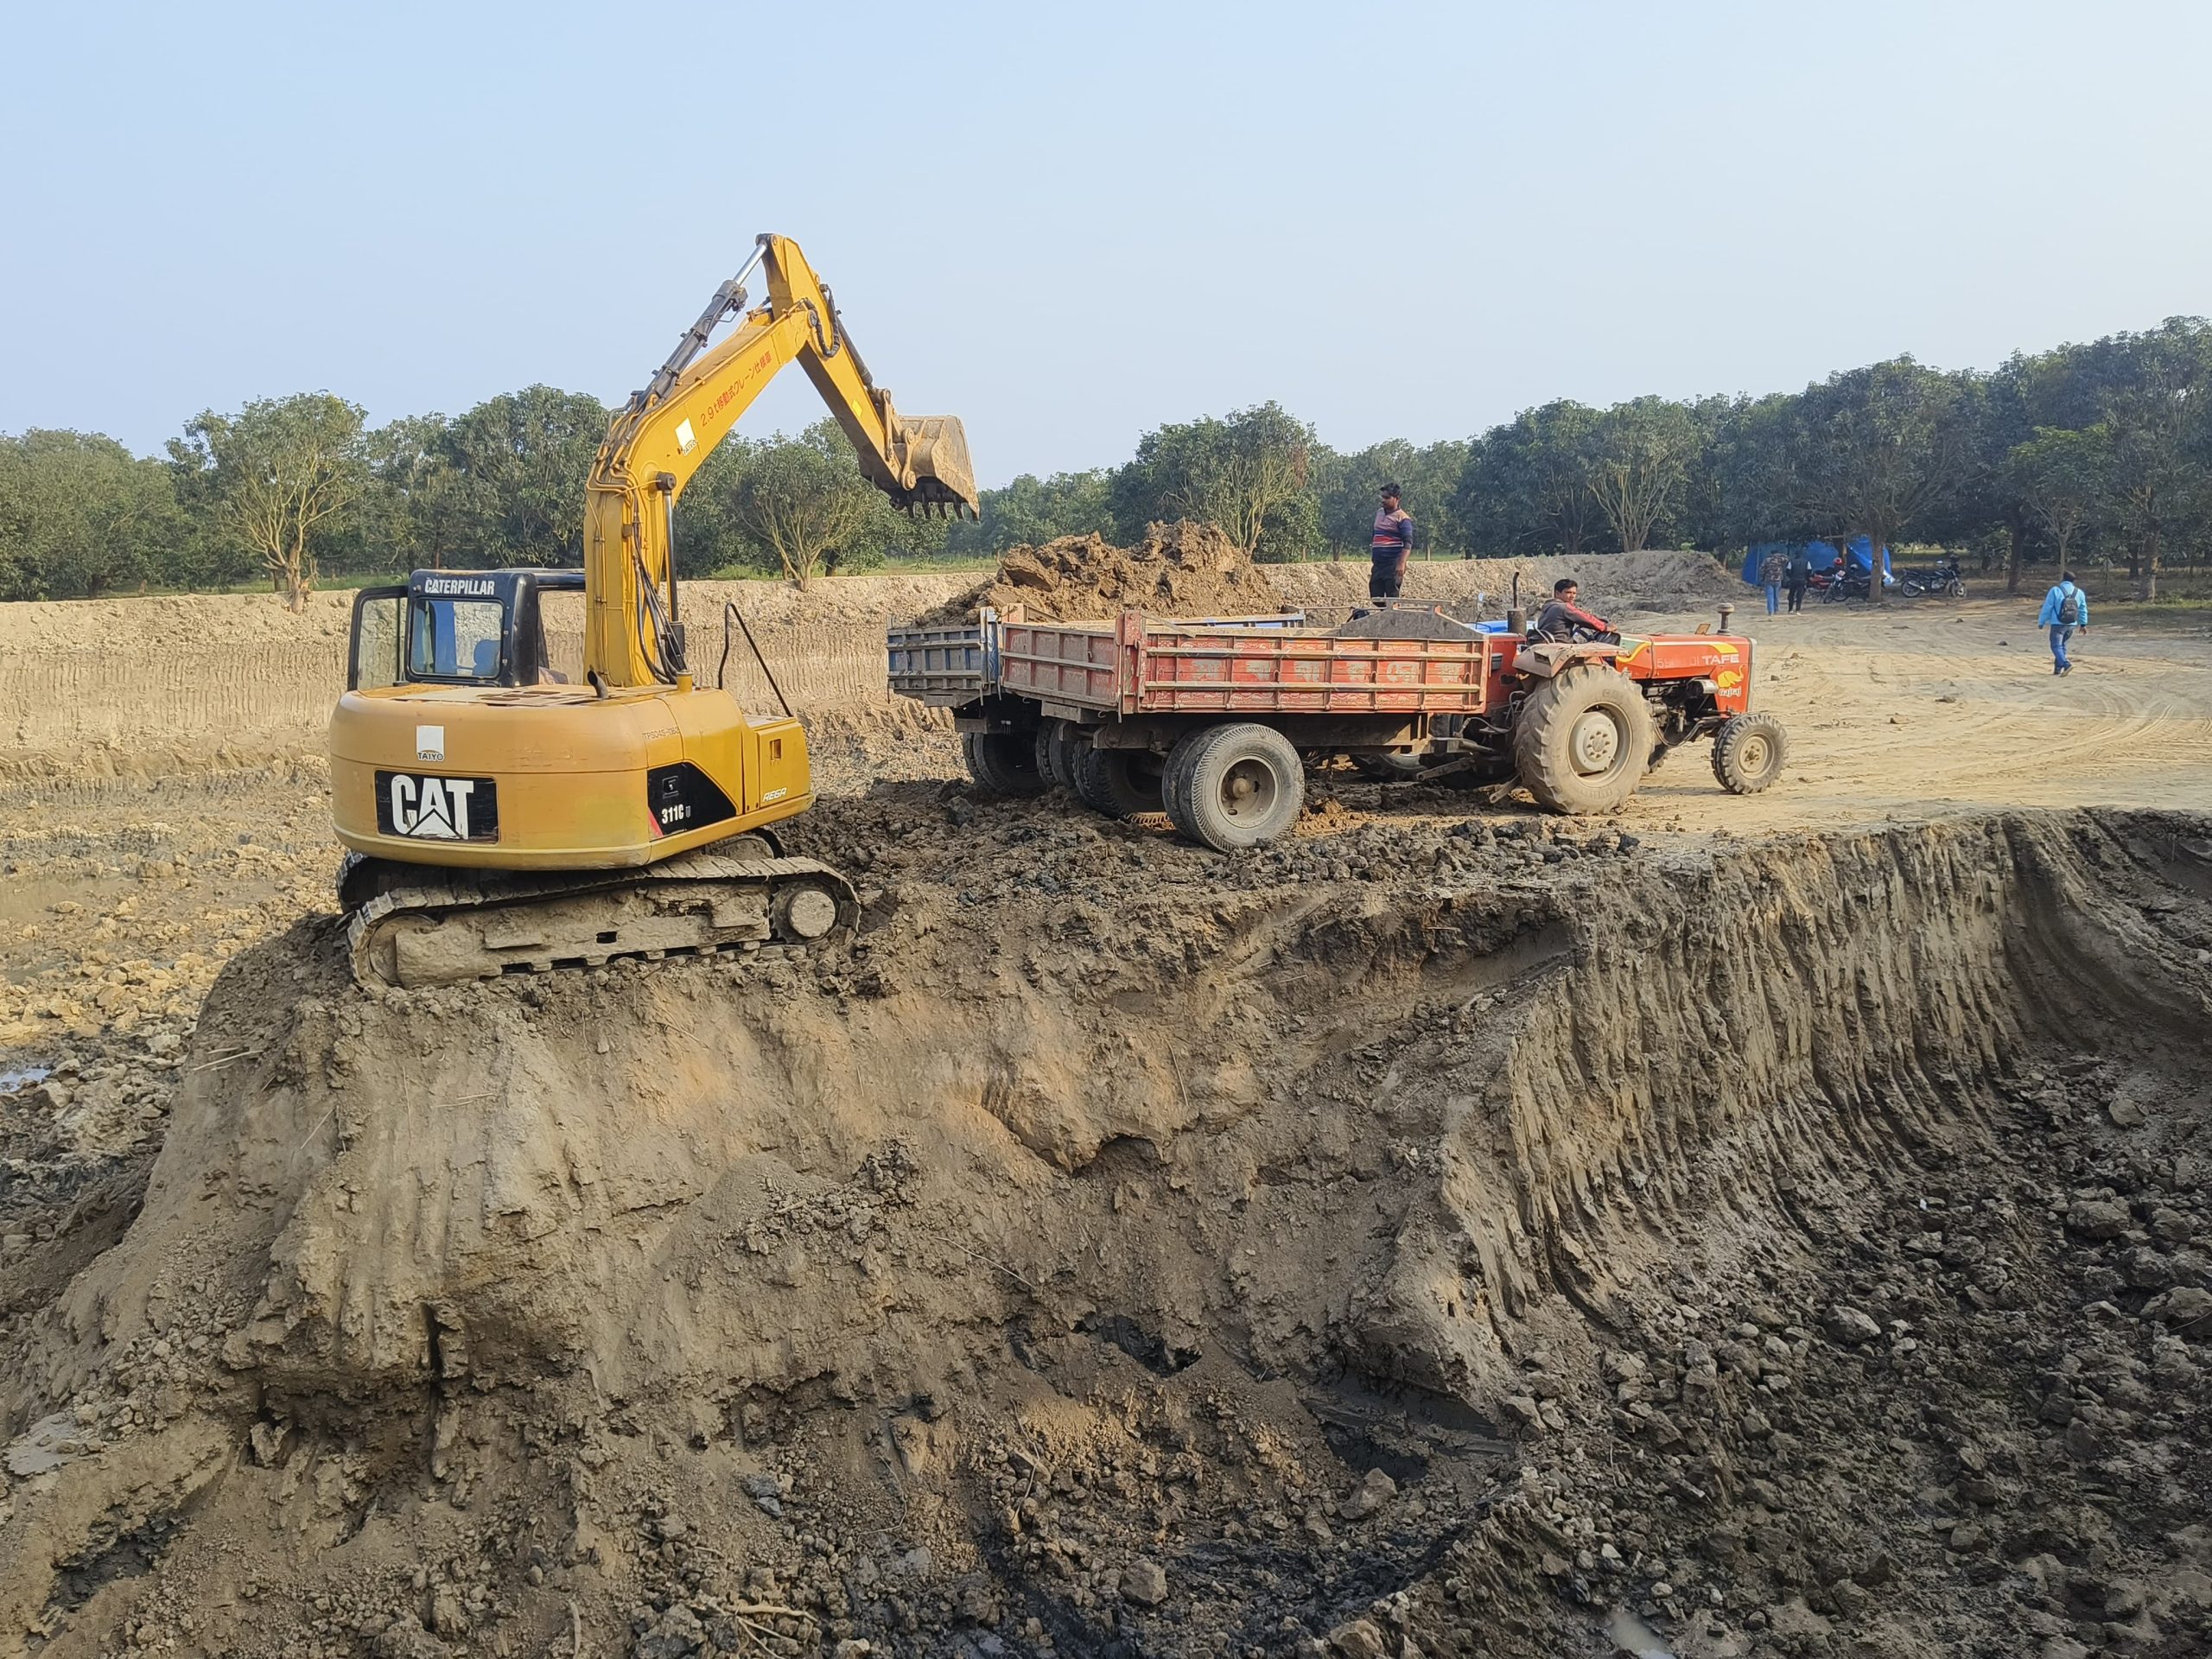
x=1547 y=661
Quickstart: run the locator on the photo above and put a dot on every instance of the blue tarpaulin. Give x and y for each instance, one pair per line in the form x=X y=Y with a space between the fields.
x=1821 y=555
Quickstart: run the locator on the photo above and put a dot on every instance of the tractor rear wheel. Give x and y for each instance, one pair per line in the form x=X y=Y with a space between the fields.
x=1003 y=763
x=1235 y=785
x=1748 y=753
x=1119 y=783
x=1584 y=740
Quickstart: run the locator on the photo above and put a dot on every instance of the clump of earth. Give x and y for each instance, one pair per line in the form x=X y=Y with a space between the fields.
x=1181 y=570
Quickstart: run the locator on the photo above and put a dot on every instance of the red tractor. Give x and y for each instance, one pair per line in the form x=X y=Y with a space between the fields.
x=1215 y=722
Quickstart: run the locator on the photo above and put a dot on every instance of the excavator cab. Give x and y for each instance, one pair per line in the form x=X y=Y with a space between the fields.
x=456 y=627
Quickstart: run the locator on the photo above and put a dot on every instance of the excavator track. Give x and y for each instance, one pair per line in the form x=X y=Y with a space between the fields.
x=449 y=927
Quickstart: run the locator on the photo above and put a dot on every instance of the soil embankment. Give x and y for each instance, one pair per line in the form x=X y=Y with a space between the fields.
x=1442 y=1241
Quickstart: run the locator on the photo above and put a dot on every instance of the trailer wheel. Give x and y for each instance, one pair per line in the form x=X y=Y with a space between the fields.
x=1235 y=785
x=1748 y=753
x=1584 y=740
x=1003 y=763
x=1056 y=752
x=1386 y=766
x=1119 y=783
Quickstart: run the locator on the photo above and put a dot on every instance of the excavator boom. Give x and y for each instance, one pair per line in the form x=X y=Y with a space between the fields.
x=667 y=431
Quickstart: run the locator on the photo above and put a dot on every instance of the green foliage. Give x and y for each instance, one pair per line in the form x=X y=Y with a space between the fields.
x=1526 y=486
x=1877 y=448
x=797 y=506
x=2095 y=451
x=277 y=478
x=1427 y=478
x=1251 y=474
x=81 y=515
x=1640 y=454
x=2059 y=476
x=519 y=462
x=1031 y=511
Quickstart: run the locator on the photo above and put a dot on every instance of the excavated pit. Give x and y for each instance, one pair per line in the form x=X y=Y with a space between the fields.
x=1511 y=1240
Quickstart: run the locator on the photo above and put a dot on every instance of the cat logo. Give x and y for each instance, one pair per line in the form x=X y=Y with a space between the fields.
x=437 y=809
x=432 y=809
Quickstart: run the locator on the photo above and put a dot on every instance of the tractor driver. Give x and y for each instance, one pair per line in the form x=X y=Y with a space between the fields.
x=1565 y=622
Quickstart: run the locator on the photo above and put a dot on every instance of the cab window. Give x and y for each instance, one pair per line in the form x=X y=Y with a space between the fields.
x=456 y=638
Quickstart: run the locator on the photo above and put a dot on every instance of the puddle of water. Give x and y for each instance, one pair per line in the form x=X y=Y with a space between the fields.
x=22 y=1078
x=1630 y=1635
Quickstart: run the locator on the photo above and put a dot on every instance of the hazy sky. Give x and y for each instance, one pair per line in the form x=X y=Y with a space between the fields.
x=1069 y=223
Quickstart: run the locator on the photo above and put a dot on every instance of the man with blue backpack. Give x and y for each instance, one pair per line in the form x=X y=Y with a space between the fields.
x=2065 y=608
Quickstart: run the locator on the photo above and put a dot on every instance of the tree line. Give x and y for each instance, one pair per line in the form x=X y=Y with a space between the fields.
x=2100 y=450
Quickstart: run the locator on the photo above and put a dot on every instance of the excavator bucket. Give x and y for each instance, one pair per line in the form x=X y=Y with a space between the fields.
x=937 y=454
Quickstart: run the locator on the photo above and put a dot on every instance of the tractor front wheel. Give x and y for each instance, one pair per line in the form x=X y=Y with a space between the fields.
x=1748 y=753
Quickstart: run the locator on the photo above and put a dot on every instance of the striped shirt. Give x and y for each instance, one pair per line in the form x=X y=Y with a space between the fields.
x=1394 y=534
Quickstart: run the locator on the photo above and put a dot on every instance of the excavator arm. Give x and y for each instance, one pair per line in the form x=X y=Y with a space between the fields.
x=666 y=432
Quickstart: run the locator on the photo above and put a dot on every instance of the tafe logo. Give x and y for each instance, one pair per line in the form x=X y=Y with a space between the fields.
x=434 y=809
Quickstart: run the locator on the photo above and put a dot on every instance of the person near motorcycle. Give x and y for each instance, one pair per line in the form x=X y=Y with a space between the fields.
x=1564 y=621
x=2065 y=609
x=1800 y=577
x=1772 y=569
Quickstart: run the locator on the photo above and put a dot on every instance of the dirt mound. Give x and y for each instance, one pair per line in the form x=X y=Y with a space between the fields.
x=1442 y=1240
x=1185 y=569
x=1407 y=622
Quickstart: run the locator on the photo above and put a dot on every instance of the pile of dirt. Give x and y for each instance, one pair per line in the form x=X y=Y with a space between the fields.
x=1184 y=570
x=1751 y=1245
x=1407 y=622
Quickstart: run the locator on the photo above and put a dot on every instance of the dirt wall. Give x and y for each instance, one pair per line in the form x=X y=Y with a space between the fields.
x=1125 y=1246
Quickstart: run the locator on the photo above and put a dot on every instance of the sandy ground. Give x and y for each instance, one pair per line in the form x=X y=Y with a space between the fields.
x=1739 y=1227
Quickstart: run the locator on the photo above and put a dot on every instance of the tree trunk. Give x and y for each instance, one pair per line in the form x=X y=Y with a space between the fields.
x=2016 y=558
x=295 y=575
x=1876 y=547
x=2147 y=587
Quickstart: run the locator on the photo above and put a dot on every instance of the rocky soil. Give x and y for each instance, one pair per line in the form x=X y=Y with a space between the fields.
x=1506 y=1238
x=1453 y=1231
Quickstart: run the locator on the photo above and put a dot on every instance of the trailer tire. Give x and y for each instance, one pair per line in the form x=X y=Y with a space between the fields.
x=1003 y=763
x=1057 y=751
x=1584 y=740
x=1386 y=766
x=1234 y=785
x=1119 y=783
x=1748 y=753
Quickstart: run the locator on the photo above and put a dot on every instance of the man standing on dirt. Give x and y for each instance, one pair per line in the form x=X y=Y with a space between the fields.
x=1772 y=569
x=1393 y=540
x=1801 y=578
x=2065 y=608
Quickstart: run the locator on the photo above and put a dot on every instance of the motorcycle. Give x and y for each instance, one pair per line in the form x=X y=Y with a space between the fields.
x=1947 y=579
x=1840 y=585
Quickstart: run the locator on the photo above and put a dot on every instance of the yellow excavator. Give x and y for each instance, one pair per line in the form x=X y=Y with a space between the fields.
x=500 y=818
